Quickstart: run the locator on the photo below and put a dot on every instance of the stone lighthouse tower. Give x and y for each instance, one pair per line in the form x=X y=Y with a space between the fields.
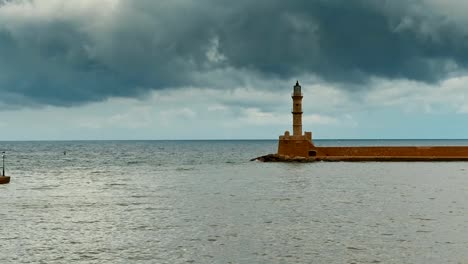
x=297 y=144
x=297 y=110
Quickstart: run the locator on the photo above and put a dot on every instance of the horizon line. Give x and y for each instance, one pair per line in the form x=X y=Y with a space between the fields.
x=214 y=139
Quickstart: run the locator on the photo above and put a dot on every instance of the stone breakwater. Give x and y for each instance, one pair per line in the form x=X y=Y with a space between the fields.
x=378 y=157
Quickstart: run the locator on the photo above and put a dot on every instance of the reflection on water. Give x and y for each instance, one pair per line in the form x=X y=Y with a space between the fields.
x=204 y=202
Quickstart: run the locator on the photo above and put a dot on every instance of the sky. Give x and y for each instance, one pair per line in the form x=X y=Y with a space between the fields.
x=214 y=69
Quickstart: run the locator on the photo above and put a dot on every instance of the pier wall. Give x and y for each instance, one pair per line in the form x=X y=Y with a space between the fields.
x=393 y=151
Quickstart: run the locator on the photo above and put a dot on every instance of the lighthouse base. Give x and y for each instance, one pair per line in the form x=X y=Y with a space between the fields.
x=296 y=146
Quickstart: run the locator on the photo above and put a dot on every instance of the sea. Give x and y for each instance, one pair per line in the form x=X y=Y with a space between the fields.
x=206 y=202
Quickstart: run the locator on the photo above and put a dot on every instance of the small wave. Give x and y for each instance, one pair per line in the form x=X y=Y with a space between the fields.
x=133 y=162
x=116 y=184
x=98 y=172
x=355 y=248
x=11 y=238
x=139 y=196
x=423 y=231
x=42 y=188
x=142 y=227
x=184 y=169
x=85 y=222
x=157 y=209
x=424 y=219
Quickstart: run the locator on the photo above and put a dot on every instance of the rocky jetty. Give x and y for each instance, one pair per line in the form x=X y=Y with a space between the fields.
x=282 y=158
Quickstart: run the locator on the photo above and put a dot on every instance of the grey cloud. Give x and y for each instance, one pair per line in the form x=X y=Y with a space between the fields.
x=75 y=56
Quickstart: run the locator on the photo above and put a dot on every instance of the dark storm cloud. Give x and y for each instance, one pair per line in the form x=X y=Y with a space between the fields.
x=71 y=55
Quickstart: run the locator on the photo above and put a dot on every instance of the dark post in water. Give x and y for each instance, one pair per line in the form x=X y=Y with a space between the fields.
x=3 y=165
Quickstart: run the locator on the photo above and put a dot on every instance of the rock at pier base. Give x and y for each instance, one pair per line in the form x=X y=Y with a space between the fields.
x=282 y=158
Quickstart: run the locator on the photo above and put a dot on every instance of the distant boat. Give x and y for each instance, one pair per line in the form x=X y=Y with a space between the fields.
x=4 y=179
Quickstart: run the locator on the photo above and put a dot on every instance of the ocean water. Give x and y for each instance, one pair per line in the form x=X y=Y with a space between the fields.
x=205 y=202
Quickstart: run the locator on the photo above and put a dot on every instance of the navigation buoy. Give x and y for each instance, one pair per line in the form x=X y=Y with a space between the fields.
x=4 y=179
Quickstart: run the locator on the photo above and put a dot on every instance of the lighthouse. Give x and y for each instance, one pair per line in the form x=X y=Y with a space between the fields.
x=298 y=144
x=297 y=110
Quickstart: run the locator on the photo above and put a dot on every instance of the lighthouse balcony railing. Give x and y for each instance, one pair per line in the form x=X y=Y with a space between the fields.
x=296 y=94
